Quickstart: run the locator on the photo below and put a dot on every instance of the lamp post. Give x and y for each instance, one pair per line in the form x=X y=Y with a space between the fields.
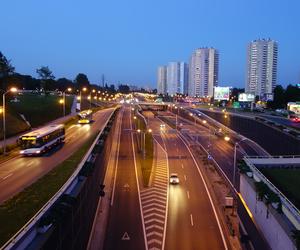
x=13 y=90
x=234 y=159
x=64 y=100
x=84 y=89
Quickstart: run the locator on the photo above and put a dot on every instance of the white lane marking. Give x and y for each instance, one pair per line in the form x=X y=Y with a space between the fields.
x=192 y=220
x=117 y=160
x=5 y=177
x=184 y=177
x=188 y=194
x=209 y=196
x=164 y=149
x=138 y=187
x=182 y=166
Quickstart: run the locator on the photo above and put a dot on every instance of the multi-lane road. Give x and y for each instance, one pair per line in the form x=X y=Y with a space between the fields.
x=125 y=227
x=192 y=221
x=19 y=172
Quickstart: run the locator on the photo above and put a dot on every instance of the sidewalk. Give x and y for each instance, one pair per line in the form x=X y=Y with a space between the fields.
x=13 y=139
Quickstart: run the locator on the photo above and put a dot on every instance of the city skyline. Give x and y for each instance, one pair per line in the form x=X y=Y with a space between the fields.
x=130 y=50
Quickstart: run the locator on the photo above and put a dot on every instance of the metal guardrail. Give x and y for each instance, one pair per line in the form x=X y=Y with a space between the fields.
x=274 y=157
x=142 y=117
x=28 y=232
x=285 y=201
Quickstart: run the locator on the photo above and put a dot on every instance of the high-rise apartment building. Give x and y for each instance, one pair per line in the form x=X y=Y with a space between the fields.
x=162 y=80
x=172 y=79
x=203 y=72
x=261 y=67
x=183 y=78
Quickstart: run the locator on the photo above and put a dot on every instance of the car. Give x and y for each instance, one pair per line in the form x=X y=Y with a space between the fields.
x=174 y=178
x=162 y=126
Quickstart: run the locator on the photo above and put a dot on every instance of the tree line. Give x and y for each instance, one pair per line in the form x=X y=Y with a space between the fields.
x=45 y=81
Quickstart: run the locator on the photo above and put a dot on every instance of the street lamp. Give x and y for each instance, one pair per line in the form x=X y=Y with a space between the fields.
x=83 y=89
x=234 y=160
x=227 y=138
x=12 y=90
x=64 y=100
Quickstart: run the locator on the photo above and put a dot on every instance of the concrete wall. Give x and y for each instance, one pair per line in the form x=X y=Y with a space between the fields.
x=274 y=233
x=272 y=140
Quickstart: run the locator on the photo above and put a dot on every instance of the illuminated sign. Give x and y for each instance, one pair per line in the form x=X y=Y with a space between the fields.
x=221 y=93
x=294 y=107
x=246 y=97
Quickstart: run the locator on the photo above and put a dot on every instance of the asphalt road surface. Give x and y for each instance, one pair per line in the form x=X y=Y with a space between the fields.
x=125 y=230
x=191 y=222
x=19 y=172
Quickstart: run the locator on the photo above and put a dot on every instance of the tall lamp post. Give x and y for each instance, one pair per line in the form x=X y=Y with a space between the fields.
x=64 y=100
x=11 y=90
x=234 y=159
x=83 y=89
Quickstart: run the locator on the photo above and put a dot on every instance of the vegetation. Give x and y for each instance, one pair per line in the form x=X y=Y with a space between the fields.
x=287 y=181
x=15 y=212
x=283 y=96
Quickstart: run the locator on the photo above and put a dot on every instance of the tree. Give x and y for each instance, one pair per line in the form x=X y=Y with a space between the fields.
x=279 y=98
x=81 y=81
x=47 y=78
x=6 y=69
x=63 y=83
x=292 y=94
x=235 y=93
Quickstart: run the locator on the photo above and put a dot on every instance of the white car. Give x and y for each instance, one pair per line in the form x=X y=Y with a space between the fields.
x=174 y=178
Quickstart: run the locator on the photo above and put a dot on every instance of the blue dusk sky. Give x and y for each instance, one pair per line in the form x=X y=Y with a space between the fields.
x=126 y=40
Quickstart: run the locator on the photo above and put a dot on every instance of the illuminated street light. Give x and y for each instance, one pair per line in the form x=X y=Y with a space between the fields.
x=139 y=131
x=150 y=130
x=134 y=117
x=227 y=138
x=12 y=90
x=63 y=101
x=204 y=121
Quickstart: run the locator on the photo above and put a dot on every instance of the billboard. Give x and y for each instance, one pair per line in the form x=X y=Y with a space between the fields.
x=294 y=107
x=246 y=97
x=221 y=93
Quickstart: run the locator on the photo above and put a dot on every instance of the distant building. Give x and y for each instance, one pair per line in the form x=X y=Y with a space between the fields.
x=183 y=78
x=203 y=72
x=261 y=67
x=162 y=80
x=173 y=78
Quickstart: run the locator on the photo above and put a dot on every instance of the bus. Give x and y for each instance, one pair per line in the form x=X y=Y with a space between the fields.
x=41 y=140
x=85 y=116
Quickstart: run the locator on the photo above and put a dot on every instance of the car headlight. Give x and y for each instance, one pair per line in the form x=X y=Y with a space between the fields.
x=22 y=152
x=38 y=151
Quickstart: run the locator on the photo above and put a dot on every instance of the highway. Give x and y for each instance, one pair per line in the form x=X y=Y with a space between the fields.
x=125 y=227
x=191 y=222
x=19 y=172
x=218 y=148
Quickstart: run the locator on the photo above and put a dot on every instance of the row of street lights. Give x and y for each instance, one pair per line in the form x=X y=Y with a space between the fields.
x=61 y=101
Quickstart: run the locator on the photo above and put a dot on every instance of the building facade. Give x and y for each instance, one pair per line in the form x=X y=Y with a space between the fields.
x=261 y=67
x=203 y=72
x=162 y=80
x=183 y=78
x=173 y=78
